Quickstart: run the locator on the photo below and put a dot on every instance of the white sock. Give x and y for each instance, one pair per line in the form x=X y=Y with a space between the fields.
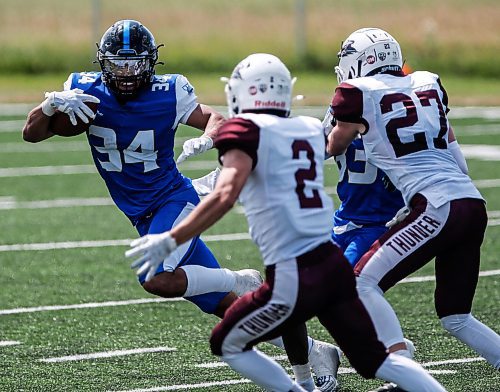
x=202 y=280
x=476 y=335
x=261 y=370
x=408 y=375
x=303 y=376
x=278 y=342
x=383 y=316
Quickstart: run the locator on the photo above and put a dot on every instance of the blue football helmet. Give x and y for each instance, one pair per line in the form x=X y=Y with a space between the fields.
x=127 y=55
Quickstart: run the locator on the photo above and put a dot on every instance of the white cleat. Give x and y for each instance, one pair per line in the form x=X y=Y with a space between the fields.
x=246 y=280
x=325 y=361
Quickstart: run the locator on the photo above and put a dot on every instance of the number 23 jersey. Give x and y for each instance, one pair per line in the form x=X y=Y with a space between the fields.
x=132 y=143
x=287 y=209
x=406 y=133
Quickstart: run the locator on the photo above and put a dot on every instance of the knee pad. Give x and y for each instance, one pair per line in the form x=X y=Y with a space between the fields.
x=455 y=322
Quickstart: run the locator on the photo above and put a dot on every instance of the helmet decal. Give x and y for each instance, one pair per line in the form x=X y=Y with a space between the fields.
x=126 y=35
x=347 y=49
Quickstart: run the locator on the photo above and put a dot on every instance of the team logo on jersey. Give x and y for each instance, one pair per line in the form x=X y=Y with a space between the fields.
x=188 y=88
x=252 y=90
x=347 y=49
x=382 y=56
x=371 y=59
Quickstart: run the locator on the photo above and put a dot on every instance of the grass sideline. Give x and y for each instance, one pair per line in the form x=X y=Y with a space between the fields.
x=92 y=275
x=452 y=36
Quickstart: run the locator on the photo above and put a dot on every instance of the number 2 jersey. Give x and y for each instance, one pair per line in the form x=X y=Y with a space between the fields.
x=287 y=209
x=406 y=133
x=132 y=143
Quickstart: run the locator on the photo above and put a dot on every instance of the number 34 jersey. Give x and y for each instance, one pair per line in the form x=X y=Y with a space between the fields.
x=132 y=142
x=406 y=133
x=287 y=209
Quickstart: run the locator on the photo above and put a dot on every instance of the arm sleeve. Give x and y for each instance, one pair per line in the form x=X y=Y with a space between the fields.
x=241 y=134
x=347 y=104
x=459 y=156
x=68 y=84
x=186 y=99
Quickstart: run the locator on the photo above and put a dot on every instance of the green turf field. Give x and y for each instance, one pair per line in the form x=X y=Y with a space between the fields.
x=68 y=319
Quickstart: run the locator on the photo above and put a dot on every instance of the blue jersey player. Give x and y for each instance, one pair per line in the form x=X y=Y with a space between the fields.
x=367 y=200
x=132 y=143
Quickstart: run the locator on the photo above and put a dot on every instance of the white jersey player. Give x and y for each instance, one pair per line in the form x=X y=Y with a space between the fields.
x=402 y=120
x=274 y=164
x=285 y=204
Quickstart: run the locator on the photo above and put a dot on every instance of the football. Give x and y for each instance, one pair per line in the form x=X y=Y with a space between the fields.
x=60 y=124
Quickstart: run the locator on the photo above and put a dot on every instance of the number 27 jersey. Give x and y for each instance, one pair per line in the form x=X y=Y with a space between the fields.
x=406 y=133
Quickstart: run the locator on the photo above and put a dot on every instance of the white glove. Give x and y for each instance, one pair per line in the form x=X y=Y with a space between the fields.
x=195 y=146
x=153 y=248
x=71 y=102
x=399 y=217
x=206 y=184
x=329 y=121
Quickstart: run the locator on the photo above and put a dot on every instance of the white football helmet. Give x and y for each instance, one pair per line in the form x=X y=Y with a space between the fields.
x=366 y=52
x=259 y=82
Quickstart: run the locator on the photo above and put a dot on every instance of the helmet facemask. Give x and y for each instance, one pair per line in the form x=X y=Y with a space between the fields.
x=126 y=75
x=127 y=55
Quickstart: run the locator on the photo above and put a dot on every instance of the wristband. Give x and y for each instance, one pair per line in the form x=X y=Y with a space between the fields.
x=47 y=107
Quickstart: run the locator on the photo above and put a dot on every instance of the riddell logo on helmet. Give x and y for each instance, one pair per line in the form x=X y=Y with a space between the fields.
x=270 y=104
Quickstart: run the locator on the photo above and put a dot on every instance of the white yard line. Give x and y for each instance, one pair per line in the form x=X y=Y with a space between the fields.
x=17 y=147
x=46 y=170
x=107 y=354
x=88 y=305
x=471 y=151
x=11 y=125
x=189 y=386
x=453 y=361
x=481 y=152
x=56 y=146
x=125 y=242
x=342 y=370
x=106 y=243
x=12 y=204
x=418 y=279
x=48 y=308
x=4 y=343
x=86 y=169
